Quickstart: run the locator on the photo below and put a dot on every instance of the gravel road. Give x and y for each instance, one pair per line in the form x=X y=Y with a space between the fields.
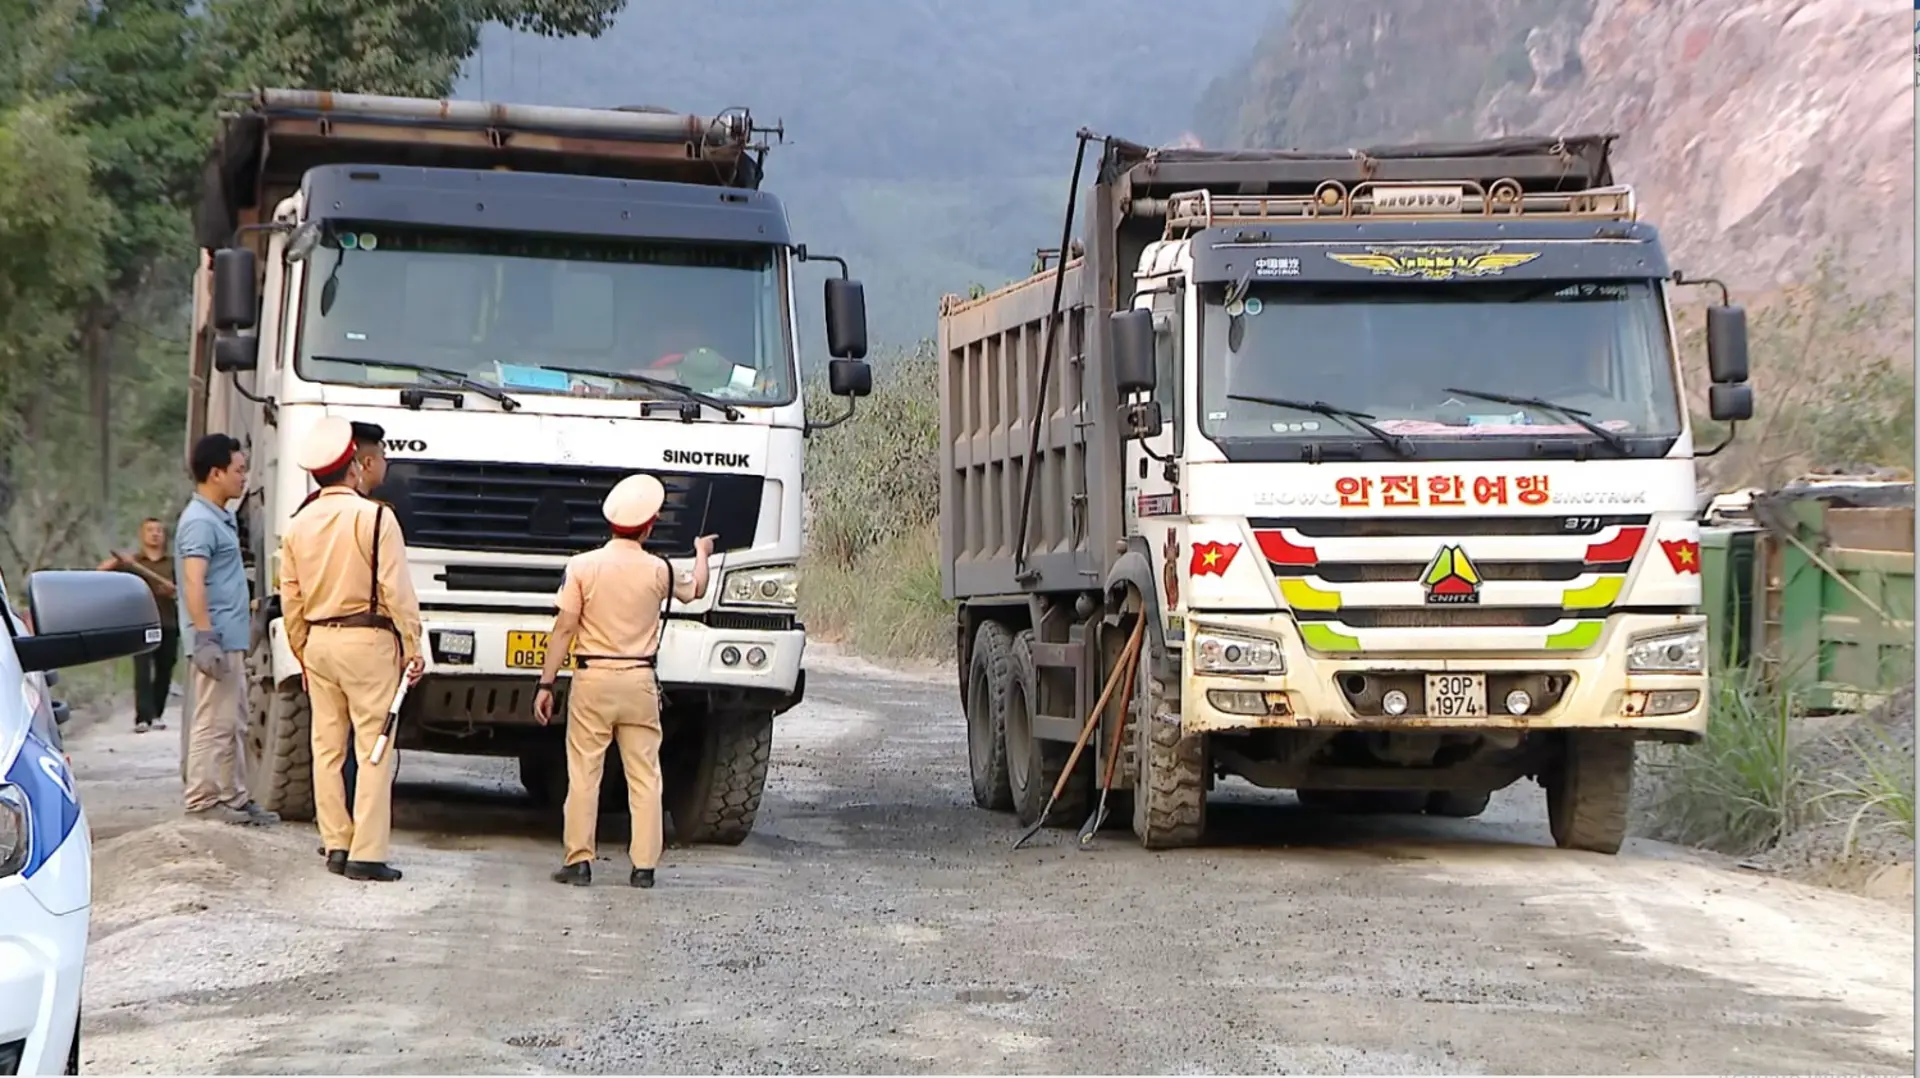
x=876 y=921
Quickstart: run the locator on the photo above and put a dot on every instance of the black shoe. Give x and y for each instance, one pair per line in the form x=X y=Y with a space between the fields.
x=579 y=874
x=642 y=877
x=369 y=871
x=337 y=862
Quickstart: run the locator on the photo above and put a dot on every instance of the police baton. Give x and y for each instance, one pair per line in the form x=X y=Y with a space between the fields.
x=393 y=722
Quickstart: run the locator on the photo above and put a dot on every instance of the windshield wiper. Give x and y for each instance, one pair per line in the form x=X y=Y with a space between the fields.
x=1580 y=416
x=694 y=395
x=1400 y=445
x=452 y=377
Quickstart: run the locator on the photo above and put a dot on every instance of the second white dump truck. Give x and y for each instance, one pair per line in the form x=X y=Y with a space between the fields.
x=1389 y=449
x=533 y=302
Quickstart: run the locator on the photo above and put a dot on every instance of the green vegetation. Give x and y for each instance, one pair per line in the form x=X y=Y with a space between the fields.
x=1741 y=789
x=872 y=573
x=1829 y=799
x=106 y=113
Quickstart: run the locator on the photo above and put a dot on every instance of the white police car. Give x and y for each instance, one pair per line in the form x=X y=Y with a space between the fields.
x=46 y=874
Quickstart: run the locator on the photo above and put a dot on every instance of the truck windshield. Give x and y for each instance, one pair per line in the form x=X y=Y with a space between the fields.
x=1397 y=352
x=511 y=309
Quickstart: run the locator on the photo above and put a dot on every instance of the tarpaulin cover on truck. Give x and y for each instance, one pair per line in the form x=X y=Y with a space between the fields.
x=1572 y=162
x=264 y=149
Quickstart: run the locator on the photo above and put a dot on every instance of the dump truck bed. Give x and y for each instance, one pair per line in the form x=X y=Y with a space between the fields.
x=276 y=136
x=993 y=347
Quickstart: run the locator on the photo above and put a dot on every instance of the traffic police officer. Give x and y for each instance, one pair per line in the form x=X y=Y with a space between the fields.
x=611 y=604
x=354 y=623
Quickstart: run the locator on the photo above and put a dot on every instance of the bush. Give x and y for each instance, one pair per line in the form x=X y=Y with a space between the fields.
x=1743 y=787
x=875 y=478
x=871 y=577
x=887 y=604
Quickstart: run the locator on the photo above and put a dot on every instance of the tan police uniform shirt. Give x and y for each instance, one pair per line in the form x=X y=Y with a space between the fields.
x=326 y=569
x=617 y=591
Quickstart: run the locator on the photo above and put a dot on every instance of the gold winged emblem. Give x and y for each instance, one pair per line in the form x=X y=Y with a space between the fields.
x=1434 y=263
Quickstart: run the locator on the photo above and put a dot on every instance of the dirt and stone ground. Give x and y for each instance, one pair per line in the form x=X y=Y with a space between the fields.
x=876 y=921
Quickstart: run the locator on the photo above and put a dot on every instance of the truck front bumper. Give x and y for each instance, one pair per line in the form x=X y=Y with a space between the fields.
x=692 y=653
x=1599 y=692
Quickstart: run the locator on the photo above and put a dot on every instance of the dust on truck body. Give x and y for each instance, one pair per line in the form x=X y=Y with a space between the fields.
x=1274 y=429
x=533 y=303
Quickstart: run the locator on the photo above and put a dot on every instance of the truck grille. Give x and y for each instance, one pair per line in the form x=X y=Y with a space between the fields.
x=555 y=508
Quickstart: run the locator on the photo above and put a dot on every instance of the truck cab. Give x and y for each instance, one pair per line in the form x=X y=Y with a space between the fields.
x=532 y=304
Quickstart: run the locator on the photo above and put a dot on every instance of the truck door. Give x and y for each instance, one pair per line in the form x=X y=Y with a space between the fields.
x=1151 y=473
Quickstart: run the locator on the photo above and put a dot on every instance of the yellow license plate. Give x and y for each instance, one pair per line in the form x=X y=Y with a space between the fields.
x=527 y=650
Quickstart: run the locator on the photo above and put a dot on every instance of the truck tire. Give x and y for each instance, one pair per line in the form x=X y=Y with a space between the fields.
x=1458 y=804
x=279 y=743
x=1170 y=788
x=1589 y=791
x=989 y=686
x=714 y=794
x=1034 y=765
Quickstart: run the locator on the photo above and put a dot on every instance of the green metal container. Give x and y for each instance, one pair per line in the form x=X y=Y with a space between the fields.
x=1842 y=625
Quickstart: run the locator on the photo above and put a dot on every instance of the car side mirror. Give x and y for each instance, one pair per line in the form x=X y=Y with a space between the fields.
x=82 y=617
x=846 y=318
x=1730 y=404
x=1133 y=351
x=1727 y=345
x=236 y=299
x=236 y=352
x=849 y=377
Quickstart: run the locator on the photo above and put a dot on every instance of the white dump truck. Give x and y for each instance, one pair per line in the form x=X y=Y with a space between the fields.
x=532 y=303
x=1388 y=449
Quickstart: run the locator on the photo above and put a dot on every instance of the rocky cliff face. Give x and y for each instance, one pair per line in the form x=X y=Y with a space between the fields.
x=1762 y=134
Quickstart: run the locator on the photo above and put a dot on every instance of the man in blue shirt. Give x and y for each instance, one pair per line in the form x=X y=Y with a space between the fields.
x=215 y=617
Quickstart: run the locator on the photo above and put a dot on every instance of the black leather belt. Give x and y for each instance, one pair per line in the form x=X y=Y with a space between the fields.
x=357 y=621
x=644 y=662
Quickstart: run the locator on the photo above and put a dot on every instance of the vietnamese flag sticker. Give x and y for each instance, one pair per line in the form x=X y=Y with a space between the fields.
x=1212 y=559
x=1682 y=554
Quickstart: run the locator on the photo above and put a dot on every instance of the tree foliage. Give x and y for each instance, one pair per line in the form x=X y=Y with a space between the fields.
x=106 y=112
x=411 y=48
x=53 y=230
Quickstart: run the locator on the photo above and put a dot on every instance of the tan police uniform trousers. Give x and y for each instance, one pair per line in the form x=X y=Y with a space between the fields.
x=621 y=706
x=352 y=674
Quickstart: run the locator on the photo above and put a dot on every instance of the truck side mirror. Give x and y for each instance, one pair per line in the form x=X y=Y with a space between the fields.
x=236 y=300
x=849 y=377
x=1727 y=346
x=1133 y=355
x=846 y=319
x=1727 y=403
x=236 y=352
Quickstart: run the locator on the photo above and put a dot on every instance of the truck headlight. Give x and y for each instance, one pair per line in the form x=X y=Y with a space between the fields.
x=1234 y=653
x=777 y=585
x=1683 y=652
x=15 y=830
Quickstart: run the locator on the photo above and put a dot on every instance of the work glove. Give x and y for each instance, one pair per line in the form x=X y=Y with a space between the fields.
x=208 y=656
